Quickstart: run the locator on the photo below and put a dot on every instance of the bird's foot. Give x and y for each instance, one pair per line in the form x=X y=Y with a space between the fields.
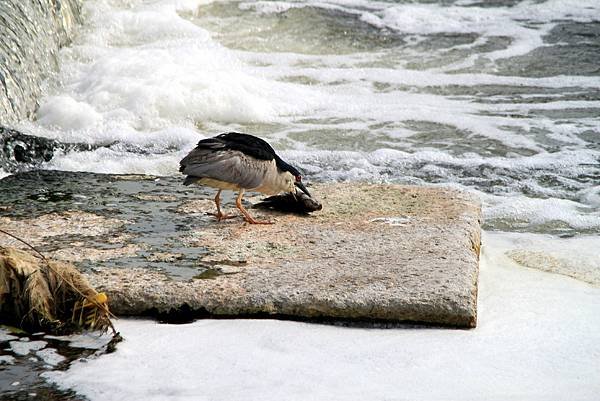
x=222 y=216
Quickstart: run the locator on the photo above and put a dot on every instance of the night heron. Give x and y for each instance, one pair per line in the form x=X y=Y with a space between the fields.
x=239 y=162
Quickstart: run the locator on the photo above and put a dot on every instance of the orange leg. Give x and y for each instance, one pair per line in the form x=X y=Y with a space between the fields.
x=219 y=215
x=247 y=217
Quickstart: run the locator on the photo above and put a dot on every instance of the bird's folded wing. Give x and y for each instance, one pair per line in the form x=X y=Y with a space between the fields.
x=227 y=165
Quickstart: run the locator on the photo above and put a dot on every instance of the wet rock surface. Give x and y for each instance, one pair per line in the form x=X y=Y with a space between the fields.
x=100 y=221
x=20 y=151
x=374 y=253
x=18 y=148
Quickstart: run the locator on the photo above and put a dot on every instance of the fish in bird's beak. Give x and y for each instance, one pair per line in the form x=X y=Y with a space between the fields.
x=300 y=185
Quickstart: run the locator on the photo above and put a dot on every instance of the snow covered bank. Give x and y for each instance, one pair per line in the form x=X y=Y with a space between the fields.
x=538 y=338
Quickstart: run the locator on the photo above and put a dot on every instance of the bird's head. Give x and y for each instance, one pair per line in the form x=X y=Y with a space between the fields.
x=298 y=183
x=294 y=178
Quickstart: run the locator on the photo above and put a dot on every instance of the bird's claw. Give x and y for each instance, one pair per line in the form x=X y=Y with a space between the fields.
x=221 y=216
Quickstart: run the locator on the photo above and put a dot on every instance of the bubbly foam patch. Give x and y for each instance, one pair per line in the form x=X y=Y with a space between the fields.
x=575 y=257
x=145 y=67
x=88 y=340
x=532 y=214
x=66 y=113
x=108 y=161
x=525 y=23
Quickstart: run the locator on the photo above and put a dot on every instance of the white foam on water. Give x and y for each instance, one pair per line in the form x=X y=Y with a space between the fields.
x=108 y=161
x=556 y=105
x=537 y=338
x=25 y=347
x=525 y=23
x=7 y=360
x=269 y=7
x=87 y=340
x=524 y=212
x=63 y=112
x=5 y=336
x=574 y=161
x=139 y=69
x=426 y=19
x=145 y=75
x=50 y=356
x=575 y=257
x=334 y=68
x=590 y=196
x=485 y=21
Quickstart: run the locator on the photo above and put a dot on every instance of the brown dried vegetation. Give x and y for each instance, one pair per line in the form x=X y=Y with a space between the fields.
x=39 y=294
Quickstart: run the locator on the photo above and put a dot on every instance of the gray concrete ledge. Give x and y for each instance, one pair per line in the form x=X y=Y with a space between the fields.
x=374 y=253
x=386 y=253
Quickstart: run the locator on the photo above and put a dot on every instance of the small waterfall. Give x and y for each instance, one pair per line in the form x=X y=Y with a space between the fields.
x=31 y=32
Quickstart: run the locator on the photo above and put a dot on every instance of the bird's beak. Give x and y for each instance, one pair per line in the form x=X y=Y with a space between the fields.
x=300 y=185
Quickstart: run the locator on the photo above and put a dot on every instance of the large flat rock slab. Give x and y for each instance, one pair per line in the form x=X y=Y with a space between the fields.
x=375 y=253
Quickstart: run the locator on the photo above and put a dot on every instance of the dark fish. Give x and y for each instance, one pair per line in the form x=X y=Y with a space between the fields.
x=299 y=204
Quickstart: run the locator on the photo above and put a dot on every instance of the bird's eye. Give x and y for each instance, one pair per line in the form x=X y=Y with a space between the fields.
x=298 y=178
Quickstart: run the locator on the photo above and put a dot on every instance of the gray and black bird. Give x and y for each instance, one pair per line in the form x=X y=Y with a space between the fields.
x=239 y=162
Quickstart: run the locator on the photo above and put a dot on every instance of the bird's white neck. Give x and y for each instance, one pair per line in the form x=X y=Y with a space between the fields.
x=277 y=181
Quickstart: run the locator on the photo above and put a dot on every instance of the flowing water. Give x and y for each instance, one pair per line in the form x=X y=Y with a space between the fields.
x=497 y=97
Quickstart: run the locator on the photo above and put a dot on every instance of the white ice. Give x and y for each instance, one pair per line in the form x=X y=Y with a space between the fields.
x=538 y=338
